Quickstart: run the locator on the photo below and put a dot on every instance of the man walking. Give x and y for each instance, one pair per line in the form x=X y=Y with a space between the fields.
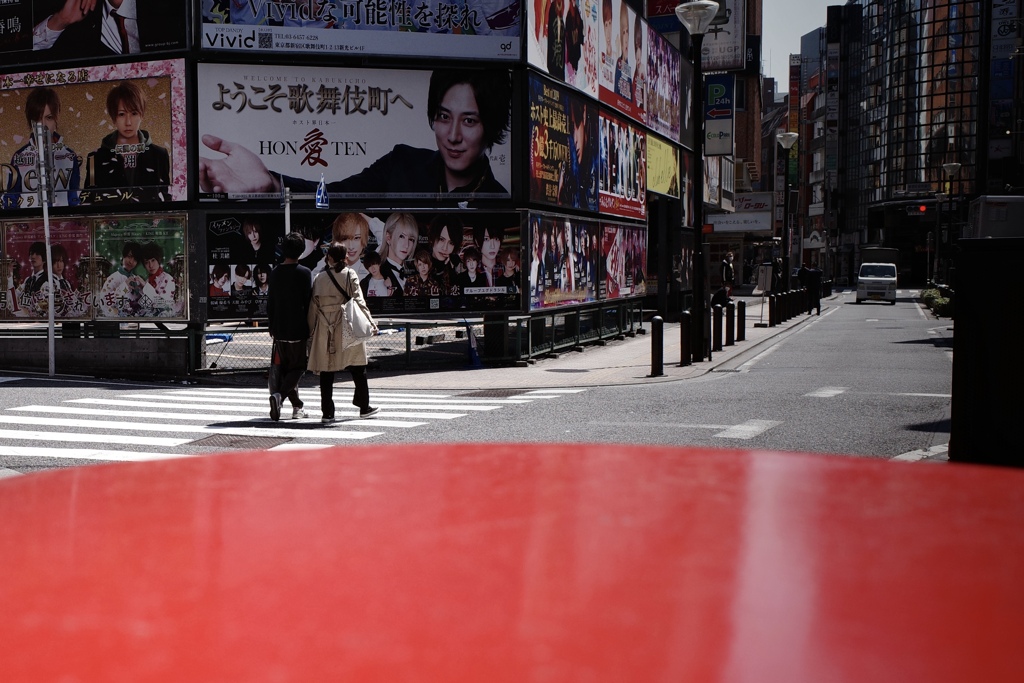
x=288 y=297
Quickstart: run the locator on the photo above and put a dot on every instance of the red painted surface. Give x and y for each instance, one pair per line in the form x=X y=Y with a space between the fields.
x=513 y=563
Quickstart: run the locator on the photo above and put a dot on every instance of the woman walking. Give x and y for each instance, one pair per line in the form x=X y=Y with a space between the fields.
x=332 y=289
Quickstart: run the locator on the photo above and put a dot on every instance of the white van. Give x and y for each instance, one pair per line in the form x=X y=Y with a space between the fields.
x=877 y=282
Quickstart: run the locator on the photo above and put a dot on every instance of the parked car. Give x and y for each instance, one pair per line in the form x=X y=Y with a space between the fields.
x=877 y=282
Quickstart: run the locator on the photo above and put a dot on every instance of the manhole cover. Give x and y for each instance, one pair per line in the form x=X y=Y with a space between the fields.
x=494 y=393
x=249 y=443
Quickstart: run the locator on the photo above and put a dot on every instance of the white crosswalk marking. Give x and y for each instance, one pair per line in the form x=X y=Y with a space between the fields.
x=142 y=425
x=826 y=392
x=748 y=429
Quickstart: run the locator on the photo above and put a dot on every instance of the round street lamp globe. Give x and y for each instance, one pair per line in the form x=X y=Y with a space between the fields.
x=696 y=16
x=787 y=140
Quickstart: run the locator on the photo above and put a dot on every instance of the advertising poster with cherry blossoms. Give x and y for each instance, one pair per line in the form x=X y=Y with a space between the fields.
x=24 y=270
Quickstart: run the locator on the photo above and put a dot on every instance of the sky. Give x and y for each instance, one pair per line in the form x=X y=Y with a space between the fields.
x=783 y=23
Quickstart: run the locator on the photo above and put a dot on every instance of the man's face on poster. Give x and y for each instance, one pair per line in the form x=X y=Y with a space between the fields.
x=458 y=130
x=490 y=248
x=49 y=119
x=403 y=241
x=353 y=246
x=151 y=265
x=36 y=261
x=443 y=246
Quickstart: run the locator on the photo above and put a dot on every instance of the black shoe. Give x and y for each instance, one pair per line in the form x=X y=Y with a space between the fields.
x=275 y=407
x=368 y=411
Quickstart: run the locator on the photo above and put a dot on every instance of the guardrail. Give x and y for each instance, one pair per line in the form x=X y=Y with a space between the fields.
x=245 y=346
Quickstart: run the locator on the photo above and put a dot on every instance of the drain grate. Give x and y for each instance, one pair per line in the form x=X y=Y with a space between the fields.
x=249 y=443
x=494 y=393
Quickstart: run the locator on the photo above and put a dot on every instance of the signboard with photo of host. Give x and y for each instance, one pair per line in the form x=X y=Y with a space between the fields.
x=373 y=133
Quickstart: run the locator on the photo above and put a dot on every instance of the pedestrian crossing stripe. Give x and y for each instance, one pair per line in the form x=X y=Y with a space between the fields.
x=170 y=419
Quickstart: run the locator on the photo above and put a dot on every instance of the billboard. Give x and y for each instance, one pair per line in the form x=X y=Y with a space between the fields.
x=663 y=103
x=662 y=167
x=565 y=261
x=242 y=249
x=719 y=112
x=563 y=147
x=407 y=262
x=722 y=49
x=623 y=168
x=24 y=270
x=48 y=31
x=624 y=253
x=562 y=41
x=129 y=267
x=622 y=75
x=370 y=133
x=96 y=158
x=141 y=271
x=470 y=29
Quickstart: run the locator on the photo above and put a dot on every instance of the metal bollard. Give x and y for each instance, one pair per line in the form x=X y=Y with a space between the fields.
x=685 y=330
x=730 y=323
x=657 y=346
x=741 y=320
x=773 y=310
x=716 y=332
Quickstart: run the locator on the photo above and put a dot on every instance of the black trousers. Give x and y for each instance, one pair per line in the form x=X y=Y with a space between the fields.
x=286 y=369
x=361 y=397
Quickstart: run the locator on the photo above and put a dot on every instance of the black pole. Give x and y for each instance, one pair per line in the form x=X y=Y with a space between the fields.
x=684 y=338
x=787 y=246
x=657 y=346
x=699 y=294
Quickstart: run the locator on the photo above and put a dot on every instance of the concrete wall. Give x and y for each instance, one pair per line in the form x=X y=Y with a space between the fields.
x=102 y=357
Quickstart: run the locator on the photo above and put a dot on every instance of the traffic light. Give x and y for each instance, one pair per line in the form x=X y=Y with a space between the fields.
x=918 y=210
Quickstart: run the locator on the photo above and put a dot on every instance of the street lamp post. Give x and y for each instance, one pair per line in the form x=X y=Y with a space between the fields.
x=696 y=17
x=951 y=170
x=786 y=141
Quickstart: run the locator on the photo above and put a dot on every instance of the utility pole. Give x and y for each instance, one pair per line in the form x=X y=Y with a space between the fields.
x=43 y=166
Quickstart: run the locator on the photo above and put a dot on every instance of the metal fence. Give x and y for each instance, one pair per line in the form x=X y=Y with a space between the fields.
x=234 y=347
x=228 y=347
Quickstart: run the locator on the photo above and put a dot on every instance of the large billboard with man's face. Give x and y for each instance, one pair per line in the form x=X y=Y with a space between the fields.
x=369 y=133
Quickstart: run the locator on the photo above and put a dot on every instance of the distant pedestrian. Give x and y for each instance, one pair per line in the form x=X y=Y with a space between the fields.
x=728 y=274
x=287 y=302
x=332 y=289
x=813 y=289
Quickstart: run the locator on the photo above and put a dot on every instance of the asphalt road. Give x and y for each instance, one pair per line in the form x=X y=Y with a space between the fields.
x=864 y=380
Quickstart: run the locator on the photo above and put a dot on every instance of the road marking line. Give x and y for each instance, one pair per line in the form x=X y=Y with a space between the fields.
x=417 y=402
x=153 y=415
x=245 y=408
x=311 y=393
x=391 y=413
x=131 y=440
x=924 y=395
x=921 y=454
x=309 y=431
x=536 y=392
x=827 y=392
x=748 y=429
x=86 y=453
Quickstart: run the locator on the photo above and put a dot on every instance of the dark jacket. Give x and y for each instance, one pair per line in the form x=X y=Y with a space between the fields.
x=137 y=176
x=404 y=170
x=291 y=287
